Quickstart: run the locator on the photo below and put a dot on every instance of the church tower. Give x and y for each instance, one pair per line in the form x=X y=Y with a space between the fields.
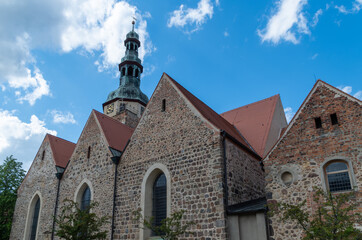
x=127 y=102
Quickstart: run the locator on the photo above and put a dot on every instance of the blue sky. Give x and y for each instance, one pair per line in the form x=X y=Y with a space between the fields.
x=59 y=59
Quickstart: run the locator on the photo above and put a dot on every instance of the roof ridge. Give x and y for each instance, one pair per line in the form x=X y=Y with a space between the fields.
x=62 y=139
x=114 y=120
x=337 y=89
x=253 y=103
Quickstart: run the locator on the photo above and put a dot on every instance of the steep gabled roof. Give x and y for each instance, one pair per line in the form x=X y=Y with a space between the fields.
x=306 y=100
x=212 y=116
x=253 y=121
x=116 y=133
x=62 y=150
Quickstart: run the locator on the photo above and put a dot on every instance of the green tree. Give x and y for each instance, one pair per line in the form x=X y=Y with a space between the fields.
x=334 y=218
x=76 y=224
x=11 y=176
x=171 y=228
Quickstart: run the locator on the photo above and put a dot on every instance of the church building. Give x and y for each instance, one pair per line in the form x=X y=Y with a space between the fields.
x=173 y=152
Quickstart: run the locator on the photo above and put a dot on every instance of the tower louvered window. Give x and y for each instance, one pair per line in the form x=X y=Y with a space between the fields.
x=86 y=198
x=159 y=199
x=34 y=224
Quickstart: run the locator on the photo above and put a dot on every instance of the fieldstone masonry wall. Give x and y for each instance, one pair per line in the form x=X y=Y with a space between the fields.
x=245 y=175
x=40 y=178
x=98 y=170
x=190 y=149
x=304 y=149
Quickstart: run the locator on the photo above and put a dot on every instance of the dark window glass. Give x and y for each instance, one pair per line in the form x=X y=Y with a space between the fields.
x=43 y=155
x=89 y=150
x=136 y=74
x=159 y=200
x=34 y=224
x=334 y=119
x=86 y=198
x=338 y=177
x=123 y=71
x=318 y=122
x=163 y=105
x=130 y=71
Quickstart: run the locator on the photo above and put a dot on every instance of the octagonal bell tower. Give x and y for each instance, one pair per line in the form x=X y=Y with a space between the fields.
x=127 y=102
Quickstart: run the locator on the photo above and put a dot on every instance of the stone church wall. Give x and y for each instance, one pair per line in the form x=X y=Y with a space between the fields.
x=190 y=149
x=245 y=175
x=98 y=170
x=40 y=179
x=304 y=150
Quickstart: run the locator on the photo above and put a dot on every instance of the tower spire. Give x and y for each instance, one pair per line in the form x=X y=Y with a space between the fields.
x=128 y=93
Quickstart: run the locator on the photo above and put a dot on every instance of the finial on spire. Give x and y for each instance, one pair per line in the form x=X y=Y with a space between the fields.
x=133 y=22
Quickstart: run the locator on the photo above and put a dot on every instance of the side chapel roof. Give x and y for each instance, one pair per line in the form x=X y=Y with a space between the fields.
x=62 y=150
x=212 y=116
x=254 y=121
x=116 y=133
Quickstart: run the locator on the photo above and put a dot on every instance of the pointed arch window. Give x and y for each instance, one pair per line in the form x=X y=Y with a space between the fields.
x=137 y=72
x=159 y=209
x=86 y=199
x=34 y=224
x=130 y=71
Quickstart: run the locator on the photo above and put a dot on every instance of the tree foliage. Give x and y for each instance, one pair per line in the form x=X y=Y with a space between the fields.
x=171 y=228
x=334 y=218
x=11 y=176
x=76 y=224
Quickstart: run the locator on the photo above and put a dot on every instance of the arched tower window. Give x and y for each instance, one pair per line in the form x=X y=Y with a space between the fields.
x=131 y=46
x=338 y=176
x=136 y=73
x=34 y=224
x=159 y=199
x=86 y=199
x=123 y=72
x=130 y=71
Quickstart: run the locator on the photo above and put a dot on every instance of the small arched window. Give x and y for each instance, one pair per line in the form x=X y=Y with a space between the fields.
x=86 y=199
x=159 y=209
x=130 y=71
x=123 y=72
x=338 y=176
x=136 y=73
x=131 y=46
x=34 y=224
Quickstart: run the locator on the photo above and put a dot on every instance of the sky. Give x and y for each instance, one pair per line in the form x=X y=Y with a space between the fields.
x=59 y=58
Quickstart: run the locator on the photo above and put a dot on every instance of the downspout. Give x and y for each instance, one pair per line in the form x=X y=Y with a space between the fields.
x=59 y=175
x=115 y=160
x=226 y=189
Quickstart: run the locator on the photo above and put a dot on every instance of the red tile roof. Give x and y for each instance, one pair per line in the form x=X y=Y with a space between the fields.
x=62 y=150
x=117 y=134
x=211 y=115
x=253 y=121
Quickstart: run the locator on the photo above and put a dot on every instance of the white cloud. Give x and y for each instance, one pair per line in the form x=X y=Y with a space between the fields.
x=286 y=23
x=93 y=26
x=61 y=117
x=19 y=138
x=348 y=90
x=356 y=7
x=315 y=56
x=316 y=17
x=226 y=34
x=192 y=16
x=289 y=113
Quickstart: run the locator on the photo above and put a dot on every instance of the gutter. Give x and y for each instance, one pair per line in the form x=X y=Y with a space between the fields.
x=59 y=175
x=226 y=189
x=116 y=158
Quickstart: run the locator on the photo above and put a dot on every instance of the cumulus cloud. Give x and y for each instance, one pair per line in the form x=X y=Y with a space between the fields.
x=93 y=26
x=287 y=24
x=19 y=138
x=194 y=17
x=348 y=90
x=289 y=113
x=63 y=117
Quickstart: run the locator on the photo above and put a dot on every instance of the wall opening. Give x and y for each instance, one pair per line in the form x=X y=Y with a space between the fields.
x=318 y=122
x=334 y=119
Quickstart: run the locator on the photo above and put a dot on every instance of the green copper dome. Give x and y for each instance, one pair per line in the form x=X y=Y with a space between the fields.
x=131 y=69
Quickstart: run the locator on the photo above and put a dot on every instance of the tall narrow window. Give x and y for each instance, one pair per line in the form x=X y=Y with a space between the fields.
x=123 y=71
x=159 y=209
x=89 y=151
x=34 y=224
x=86 y=199
x=130 y=71
x=163 y=105
x=137 y=72
x=334 y=119
x=338 y=177
x=318 y=122
x=43 y=155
